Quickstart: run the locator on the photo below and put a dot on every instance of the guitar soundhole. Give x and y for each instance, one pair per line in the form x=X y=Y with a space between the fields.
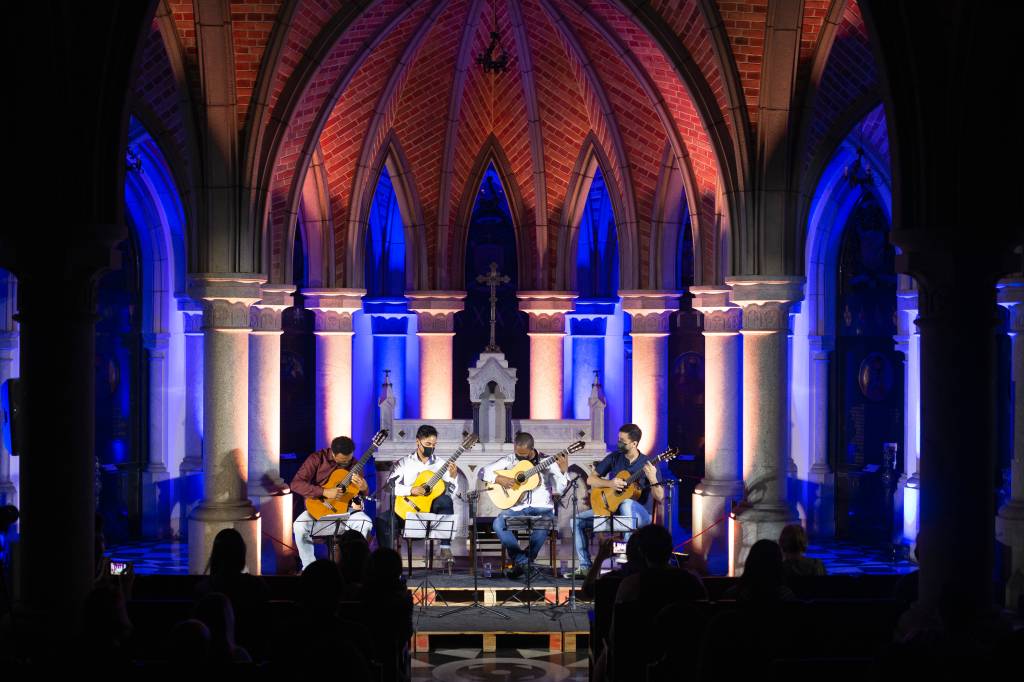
x=426 y=489
x=520 y=478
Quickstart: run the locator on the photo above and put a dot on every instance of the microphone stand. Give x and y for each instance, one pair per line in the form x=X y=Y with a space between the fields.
x=472 y=497
x=569 y=603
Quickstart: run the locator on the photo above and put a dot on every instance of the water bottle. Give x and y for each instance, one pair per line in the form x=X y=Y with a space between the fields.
x=487 y=570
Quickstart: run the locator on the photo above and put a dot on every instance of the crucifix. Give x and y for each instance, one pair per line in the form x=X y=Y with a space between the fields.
x=492 y=279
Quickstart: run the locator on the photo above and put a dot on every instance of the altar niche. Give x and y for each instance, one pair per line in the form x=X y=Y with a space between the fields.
x=491 y=239
x=867 y=378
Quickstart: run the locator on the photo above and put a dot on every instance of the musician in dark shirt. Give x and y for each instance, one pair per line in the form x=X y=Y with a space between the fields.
x=626 y=457
x=309 y=482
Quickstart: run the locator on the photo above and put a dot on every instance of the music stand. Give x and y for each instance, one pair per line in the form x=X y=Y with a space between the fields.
x=331 y=526
x=428 y=527
x=472 y=498
x=614 y=524
x=529 y=524
x=569 y=604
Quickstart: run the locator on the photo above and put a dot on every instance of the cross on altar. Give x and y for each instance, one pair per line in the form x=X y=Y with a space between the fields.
x=492 y=279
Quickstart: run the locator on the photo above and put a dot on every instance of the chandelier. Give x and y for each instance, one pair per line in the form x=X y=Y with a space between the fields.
x=494 y=59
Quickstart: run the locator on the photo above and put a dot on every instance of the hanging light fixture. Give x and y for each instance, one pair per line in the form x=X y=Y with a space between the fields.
x=859 y=173
x=494 y=59
x=132 y=161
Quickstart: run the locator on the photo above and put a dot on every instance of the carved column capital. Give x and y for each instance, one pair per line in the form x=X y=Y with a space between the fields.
x=265 y=314
x=1011 y=296
x=435 y=310
x=547 y=309
x=333 y=308
x=650 y=310
x=766 y=300
x=225 y=298
x=721 y=316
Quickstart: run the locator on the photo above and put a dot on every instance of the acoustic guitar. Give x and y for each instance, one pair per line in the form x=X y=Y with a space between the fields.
x=431 y=482
x=342 y=478
x=527 y=476
x=605 y=501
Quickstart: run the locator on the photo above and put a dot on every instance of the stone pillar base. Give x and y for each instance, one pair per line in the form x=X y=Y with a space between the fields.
x=746 y=528
x=156 y=503
x=821 y=496
x=8 y=493
x=1010 y=532
x=712 y=502
x=206 y=521
x=277 y=556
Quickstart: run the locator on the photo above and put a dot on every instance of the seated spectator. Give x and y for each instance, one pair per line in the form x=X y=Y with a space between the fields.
x=793 y=541
x=387 y=605
x=604 y=552
x=215 y=612
x=189 y=644
x=353 y=552
x=248 y=593
x=763 y=579
x=106 y=628
x=658 y=582
x=318 y=625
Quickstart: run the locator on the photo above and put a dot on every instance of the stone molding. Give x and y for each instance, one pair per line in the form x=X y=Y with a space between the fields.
x=650 y=310
x=435 y=310
x=547 y=309
x=225 y=298
x=333 y=308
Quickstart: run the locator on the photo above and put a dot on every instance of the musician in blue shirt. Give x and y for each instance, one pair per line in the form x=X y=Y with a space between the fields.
x=626 y=457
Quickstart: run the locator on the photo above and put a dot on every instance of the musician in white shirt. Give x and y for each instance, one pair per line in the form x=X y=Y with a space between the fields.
x=403 y=476
x=536 y=502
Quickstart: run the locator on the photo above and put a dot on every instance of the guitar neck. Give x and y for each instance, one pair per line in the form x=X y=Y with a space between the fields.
x=357 y=468
x=543 y=464
x=635 y=476
x=439 y=474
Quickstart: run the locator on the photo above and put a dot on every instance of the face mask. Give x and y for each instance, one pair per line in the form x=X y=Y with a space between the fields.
x=620 y=447
x=428 y=451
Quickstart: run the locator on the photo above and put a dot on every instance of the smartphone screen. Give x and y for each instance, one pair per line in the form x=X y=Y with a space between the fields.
x=619 y=547
x=118 y=567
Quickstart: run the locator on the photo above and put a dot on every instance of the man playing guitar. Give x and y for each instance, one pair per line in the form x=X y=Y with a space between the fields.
x=626 y=457
x=535 y=502
x=403 y=476
x=309 y=482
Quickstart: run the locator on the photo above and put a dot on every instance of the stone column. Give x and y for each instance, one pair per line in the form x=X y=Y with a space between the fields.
x=723 y=371
x=957 y=319
x=192 y=323
x=651 y=313
x=435 y=329
x=333 y=328
x=546 y=310
x=8 y=351
x=156 y=495
x=821 y=516
x=766 y=303
x=225 y=504
x=267 y=490
x=909 y=343
x=1010 y=520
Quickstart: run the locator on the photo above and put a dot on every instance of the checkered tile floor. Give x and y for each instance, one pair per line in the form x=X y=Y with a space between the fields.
x=171 y=558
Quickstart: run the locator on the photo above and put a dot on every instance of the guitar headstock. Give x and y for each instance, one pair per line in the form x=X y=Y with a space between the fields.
x=671 y=453
x=575 y=446
x=469 y=441
x=379 y=438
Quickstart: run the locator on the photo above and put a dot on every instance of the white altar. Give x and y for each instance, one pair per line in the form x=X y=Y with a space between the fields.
x=492 y=391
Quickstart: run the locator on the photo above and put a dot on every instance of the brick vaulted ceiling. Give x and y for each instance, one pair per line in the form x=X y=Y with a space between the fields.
x=643 y=84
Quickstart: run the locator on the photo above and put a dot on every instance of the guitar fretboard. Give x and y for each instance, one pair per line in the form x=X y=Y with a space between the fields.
x=542 y=465
x=439 y=474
